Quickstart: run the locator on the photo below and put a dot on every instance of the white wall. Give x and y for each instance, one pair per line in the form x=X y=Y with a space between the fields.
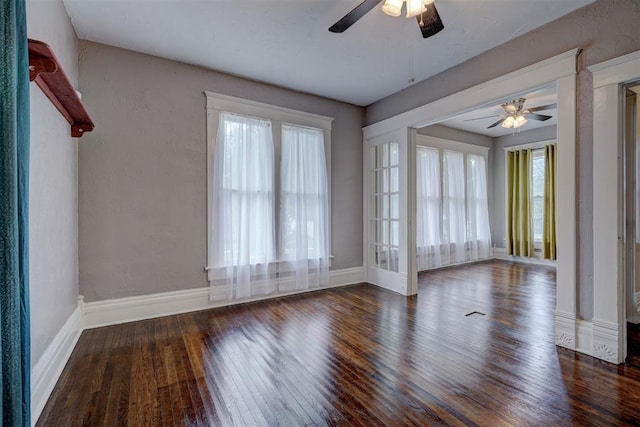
x=53 y=201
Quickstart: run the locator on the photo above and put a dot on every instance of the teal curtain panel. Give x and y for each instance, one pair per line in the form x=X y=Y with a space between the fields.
x=14 y=215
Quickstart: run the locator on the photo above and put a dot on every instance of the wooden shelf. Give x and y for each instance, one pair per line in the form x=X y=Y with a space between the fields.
x=45 y=69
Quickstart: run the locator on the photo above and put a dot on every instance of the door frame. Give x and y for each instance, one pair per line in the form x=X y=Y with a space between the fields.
x=609 y=311
x=559 y=70
x=630 y=147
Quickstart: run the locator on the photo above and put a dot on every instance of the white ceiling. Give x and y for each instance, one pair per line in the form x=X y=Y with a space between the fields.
x=286 y=42
x=536 y=98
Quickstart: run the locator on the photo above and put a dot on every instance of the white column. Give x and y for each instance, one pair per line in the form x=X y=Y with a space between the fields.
x=408 y=209
x=609 y=324
x=565 y=315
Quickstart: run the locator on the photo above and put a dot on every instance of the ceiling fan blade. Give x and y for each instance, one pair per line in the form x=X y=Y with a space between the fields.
x=543 y=107
x=429 y=21
x=499 y=122
x=480 y=118
x=352 y=17
x=539 y=117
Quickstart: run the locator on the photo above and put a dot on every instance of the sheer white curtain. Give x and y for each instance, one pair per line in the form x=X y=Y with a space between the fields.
x=304 y=209
x=478 y=207
x=453 y=205
x=429 y=202
x=242 y=248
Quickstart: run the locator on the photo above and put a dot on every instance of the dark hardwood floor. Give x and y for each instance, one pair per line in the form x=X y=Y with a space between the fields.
x=357 y=355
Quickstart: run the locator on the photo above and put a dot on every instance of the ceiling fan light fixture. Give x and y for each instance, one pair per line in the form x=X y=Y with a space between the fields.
x=417 y=7
x=428 y=19
x=519 y=121
x=508 y=122
x=392 y=7
x=414 y=8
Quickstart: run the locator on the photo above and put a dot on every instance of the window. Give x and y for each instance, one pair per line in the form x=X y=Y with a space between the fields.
x=452 y=204
x=244 y=158
x=429 y=198
x=478 y=230
x=526 y=194
x=268 y=197
x=304 y=197
x=537 y=195
x=453 y=199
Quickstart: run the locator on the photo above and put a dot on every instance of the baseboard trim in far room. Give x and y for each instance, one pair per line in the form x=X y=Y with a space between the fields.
x=130 y=309
x=501 y=253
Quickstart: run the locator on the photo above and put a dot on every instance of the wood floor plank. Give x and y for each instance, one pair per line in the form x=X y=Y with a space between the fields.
x=357 y=355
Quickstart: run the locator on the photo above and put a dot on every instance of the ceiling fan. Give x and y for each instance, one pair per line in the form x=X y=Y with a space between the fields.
x=516 y=116
x=424 y=10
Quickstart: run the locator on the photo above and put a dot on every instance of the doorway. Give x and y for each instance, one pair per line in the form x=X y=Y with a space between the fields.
x=461 y=182
x=631 y=171
x=561 y=70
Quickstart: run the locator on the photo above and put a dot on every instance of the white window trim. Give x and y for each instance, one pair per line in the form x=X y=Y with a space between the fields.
x=217 y=103
x=531 y=146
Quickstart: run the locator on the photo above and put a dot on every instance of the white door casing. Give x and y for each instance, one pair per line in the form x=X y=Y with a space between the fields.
x=609 y=320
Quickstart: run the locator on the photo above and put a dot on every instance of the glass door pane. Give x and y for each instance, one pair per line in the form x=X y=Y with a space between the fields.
x=384 y=208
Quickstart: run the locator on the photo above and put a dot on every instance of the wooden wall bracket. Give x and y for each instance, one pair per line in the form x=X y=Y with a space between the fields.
x=45 y=69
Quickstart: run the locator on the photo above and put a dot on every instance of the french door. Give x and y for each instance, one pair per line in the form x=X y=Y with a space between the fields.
x=389 y=243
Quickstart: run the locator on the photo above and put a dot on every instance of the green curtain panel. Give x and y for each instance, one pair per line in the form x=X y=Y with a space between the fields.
x=14 y=215
x=519 y=227
x=550 y=189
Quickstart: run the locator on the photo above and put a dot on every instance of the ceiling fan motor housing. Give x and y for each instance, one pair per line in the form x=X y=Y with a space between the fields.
x=514 y=106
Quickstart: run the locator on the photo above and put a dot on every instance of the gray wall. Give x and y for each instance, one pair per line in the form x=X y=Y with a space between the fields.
x=142 y=172
x=604 y=30
x=445 y=132
x=498 y=224
x=53 y=210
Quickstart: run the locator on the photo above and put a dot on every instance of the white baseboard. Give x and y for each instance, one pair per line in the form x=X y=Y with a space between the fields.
x=122 y=310
x=599 y=341
x=456 y=264
x=346 y=276
x=501 y=253
x=585 y=337
x=565 y=325
x=48 y=368
x=606 y=341
x=574 y=334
